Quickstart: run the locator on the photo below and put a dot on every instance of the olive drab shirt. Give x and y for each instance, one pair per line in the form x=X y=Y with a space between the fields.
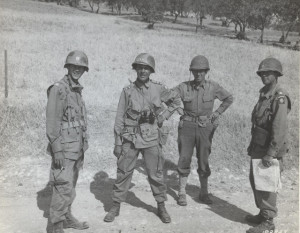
x=66 y=119
x=269 y=124
x=199 y=100
x=135 y=99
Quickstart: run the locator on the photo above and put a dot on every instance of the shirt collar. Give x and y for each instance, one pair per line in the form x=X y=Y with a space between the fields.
x=269 y=94
x=140 y=84
x=203 y=84
x=74 y=86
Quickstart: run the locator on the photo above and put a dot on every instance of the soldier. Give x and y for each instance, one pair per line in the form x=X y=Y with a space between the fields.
x=138 y=128
x=66 y=130
x=197 y=125
x=269 y=139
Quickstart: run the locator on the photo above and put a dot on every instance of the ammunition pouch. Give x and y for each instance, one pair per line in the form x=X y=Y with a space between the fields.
x=260 y=136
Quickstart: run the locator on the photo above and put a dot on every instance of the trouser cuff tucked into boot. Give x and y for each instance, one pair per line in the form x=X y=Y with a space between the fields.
x=58 y=227
x=162 y=213
x=72 y=222
x=113 y=212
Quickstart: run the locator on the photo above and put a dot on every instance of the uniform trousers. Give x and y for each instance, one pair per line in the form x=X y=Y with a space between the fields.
x=154 y=163
x=64 y=183
x=265 y=201
x=191 y=135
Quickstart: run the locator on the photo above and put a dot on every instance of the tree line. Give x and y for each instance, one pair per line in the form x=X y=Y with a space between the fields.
x=256 y=14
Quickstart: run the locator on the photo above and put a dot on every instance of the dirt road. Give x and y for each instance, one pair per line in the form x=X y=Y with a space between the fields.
x=25 y=202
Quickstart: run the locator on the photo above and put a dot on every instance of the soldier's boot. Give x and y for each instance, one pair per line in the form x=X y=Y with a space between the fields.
x=203 y=196
x=256 y=219
x=58 y=227
x=181 y=194
x=113 y=212
x=266 y=225
x=162 y=213
x=72 y=222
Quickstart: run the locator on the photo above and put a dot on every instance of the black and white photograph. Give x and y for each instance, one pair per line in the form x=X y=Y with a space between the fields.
x=149 y=116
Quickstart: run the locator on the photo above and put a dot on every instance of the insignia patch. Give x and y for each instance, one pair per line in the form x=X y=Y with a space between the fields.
x=281 y=100
x=77 y=58
x=56 y=84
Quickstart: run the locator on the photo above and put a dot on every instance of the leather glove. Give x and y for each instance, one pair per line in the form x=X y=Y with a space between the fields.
x=117 y=151
x=214 y=116
x=267 y=160
x=59 y=159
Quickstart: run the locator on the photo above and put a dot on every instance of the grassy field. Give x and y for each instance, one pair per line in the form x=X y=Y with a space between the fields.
x=38 y=36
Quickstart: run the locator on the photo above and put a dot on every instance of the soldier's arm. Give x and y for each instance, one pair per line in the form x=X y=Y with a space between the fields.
x=171 y=97
x=119 y=121
x=279 y=126
x=224 y=96
x=54 y=114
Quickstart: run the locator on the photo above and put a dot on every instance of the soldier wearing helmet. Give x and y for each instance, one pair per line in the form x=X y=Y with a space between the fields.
x=138 y=129
x=66 y=127
x=197 y=125
x=269 y=139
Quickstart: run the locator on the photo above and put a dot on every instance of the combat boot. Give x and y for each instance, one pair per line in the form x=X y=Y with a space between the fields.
x=205 y=199
x=58 y=227
x=266 y=225
x=203 y=196
x=113 y=212
x=72 y=222
x=181 y=194
x=256 y=219
x=162 y=213
x=182 y=200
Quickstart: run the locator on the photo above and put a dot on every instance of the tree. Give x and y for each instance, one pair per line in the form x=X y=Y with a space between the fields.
x=92 y=3
x=151 y=11
x=261 y=15
x=177 y=7
x=200 y=8
x=287 y=16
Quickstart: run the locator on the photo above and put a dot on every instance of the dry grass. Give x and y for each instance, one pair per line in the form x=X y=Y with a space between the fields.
x=38 y=36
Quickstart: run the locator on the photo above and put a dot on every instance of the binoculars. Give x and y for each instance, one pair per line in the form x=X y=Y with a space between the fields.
x=147 y=117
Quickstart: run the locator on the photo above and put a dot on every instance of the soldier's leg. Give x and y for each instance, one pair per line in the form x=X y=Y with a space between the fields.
x=204 y=137
x=186 y=144
x=63 y=193
x=154 y=162
x=71 y=221
x=126 y=164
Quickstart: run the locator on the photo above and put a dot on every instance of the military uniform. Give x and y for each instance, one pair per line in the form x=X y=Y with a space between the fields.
x=66 y=130
x=147 y=138
x=269 y=137
x=195 y=127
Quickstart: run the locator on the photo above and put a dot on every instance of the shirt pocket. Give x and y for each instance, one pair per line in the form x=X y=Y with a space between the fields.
x=208 y=101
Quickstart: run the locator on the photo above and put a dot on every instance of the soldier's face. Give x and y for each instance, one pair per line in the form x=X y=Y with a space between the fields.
x=143 y=72
x=75 y=71
x=199 y=75
x=268 y=77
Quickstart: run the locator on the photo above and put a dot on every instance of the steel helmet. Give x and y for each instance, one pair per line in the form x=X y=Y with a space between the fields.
x=77 y=58
x=270 y=64
x=199 y=63
x=144 y=59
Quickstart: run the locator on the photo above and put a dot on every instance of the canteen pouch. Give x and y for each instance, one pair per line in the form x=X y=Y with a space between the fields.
x=163 y=133
x=260 y=136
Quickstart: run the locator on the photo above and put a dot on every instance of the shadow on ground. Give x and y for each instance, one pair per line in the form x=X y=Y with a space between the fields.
x=43 y=200
x=102 y=186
